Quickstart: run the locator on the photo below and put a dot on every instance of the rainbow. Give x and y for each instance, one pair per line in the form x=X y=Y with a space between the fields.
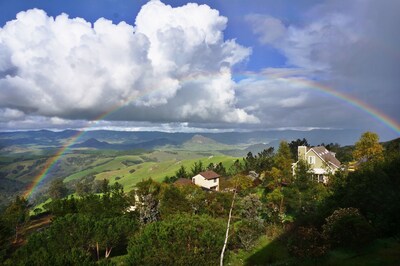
x=370 y=110
x=311 y=84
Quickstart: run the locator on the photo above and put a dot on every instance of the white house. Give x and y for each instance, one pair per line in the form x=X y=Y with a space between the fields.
x=207 y=179
x=321 y=161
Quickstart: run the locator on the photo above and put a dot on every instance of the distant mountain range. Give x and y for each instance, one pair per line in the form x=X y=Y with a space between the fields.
x=103 y=145
x=123 y=140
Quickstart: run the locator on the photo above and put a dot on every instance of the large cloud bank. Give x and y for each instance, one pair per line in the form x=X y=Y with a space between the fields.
x=351 y=46
x=173 y=65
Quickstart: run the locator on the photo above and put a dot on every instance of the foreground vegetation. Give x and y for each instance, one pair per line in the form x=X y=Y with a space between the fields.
x=278 y=219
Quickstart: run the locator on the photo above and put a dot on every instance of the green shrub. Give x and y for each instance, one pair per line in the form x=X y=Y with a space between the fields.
x=181 y=240
x=307 y=242
x=346 y=227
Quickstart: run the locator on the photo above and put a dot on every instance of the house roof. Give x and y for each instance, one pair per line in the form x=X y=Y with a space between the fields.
x=183 y=181
x=326 y=155
x=209 y=174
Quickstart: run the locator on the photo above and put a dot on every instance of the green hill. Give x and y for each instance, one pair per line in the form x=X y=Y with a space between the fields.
x=129 y=170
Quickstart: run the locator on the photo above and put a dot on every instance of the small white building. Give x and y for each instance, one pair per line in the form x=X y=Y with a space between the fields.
x=207 y=179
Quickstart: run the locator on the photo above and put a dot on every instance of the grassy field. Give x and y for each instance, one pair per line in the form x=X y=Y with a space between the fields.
x=26 y=170
x=156 y=170
x=102 y=165
x=131 y=169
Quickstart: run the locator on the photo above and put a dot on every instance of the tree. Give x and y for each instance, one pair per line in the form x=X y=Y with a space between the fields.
x=110 y=232
x=346 y=227
x=57 y=189
x=294 y=144
x=235 y=168
x=241 y=182
x=368 y=148
x=333 y=147
x=220 y=169
x=307 y=242
x=263 y=161
x=148 y=192
x=250 y=207
x=181 y=173
x=283 y=160
x=249 y=162
x=173 y=201
x=5 y=235
x=373 y=189
x=195 y=197
x=303 y=195
x=82 y=188
x=105 y=187
x=197 y=168
x=181 y=240
x=17 y=214
x=272 y=179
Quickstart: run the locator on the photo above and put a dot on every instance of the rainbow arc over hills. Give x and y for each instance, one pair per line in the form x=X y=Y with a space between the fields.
x=310 y=84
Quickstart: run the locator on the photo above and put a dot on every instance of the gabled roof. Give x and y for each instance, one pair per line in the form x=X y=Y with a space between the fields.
x=183 y=181
x=326 y=155
x=209 y=175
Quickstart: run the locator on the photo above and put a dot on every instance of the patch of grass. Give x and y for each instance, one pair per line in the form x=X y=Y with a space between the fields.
x=380 y=252
x=274 y=252
x=119 y=260
x=39 y=206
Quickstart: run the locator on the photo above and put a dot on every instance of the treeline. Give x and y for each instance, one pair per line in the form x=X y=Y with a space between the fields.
x=196 y=168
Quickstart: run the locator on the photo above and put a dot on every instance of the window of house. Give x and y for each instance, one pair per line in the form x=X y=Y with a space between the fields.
x=311 y=159
x=215 y=180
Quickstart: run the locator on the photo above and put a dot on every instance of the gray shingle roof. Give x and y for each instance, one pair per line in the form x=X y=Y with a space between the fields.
x=326 y=155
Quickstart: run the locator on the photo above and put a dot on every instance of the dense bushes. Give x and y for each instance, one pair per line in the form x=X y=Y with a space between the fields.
x=307 y=242
x=181 y=240
x=374 y=190
x=347 y=228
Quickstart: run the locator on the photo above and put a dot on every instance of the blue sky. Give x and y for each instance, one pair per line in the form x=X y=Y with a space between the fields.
x=210 y=65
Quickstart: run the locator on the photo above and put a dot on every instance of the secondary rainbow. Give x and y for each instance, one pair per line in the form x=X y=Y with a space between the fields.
x=371 y=111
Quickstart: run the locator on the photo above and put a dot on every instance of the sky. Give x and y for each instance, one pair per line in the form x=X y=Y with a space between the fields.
x=200 y=66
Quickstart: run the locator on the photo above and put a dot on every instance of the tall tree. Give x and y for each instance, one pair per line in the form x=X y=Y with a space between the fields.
x=235 y=168
x=197 y=168
x=220 y=169
x=57 y=189
x=16 y=215
x=283 y=160
x=82 y=188
x=5 y=235
x=147 y=192
x=181 y=173
x=368 y=148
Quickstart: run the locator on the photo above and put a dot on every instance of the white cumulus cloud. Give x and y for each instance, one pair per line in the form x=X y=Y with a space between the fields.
x=172 y=65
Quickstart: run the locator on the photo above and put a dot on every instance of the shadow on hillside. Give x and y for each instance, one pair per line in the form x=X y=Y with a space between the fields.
x=273 y=253
x=379 y=252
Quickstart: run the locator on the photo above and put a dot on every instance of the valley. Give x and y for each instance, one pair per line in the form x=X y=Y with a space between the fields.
x=124 y=157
